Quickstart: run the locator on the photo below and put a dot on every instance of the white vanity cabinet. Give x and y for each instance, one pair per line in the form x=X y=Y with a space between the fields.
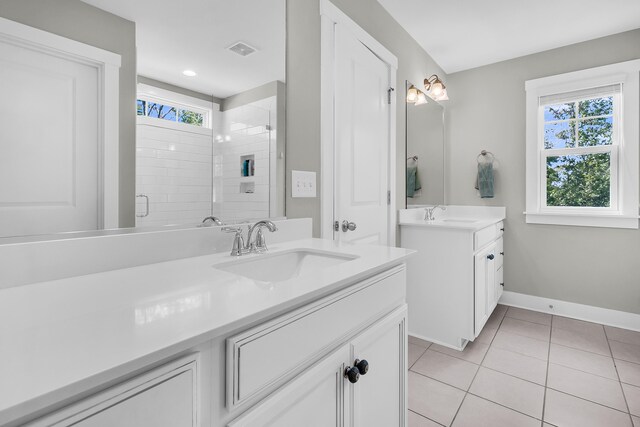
x=455 y=280
x=163 y=397
x=321 y=395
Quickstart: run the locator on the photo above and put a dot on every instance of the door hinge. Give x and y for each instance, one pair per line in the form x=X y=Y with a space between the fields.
x=389 y=95
x=388 y=197
x=336 y=226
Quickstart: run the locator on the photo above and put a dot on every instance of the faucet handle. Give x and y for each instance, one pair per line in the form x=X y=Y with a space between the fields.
x=260 y=243
x=238 y=240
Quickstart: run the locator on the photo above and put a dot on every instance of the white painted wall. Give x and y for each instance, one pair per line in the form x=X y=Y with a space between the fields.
x=584 y=265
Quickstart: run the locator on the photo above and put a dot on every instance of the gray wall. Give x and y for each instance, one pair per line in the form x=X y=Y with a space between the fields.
x=303 y=87
x=178 y=89
x=84 y=23
x=594 y=266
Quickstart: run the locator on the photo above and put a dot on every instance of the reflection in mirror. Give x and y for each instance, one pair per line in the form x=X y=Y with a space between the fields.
x=209 y=120
x=425 y=153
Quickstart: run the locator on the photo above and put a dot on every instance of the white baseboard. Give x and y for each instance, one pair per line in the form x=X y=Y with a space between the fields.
x=589 y=313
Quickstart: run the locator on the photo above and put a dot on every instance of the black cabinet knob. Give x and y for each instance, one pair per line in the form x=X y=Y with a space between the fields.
x=362 y=365
x=491 y=256
x=352 y=374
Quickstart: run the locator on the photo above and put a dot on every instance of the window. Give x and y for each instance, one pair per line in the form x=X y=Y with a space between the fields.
x=582 y=147
x=171 y=112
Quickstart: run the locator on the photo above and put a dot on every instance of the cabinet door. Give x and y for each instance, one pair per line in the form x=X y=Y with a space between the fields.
x=379 y=396
x=499 y=283
x=314 y=399
x=484 y=286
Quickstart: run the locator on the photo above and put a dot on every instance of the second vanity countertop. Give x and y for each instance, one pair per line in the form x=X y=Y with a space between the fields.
x=60 y=337
x=470 y=218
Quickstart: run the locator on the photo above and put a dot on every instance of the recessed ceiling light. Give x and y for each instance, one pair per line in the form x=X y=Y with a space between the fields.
x=189 y=73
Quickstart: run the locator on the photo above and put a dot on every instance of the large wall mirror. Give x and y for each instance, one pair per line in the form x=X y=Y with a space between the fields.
x=209 y=119
x=425 y=153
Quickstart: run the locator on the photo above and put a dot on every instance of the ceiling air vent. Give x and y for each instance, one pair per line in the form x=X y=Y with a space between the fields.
x=242 y=49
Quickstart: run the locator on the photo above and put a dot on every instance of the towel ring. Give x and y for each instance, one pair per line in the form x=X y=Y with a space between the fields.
x=485 y=156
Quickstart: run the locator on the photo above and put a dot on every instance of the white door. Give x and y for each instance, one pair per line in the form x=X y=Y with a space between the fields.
x=379 y=395
x=49 y=135
x=362 y=141
x=485 y=298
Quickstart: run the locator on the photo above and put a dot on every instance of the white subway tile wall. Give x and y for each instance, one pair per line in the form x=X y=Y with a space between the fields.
x=173 y=169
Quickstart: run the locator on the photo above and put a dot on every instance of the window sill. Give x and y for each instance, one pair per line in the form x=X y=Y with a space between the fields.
x=583 y=220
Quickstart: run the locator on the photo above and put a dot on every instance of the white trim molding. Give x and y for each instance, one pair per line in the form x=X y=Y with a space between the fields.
x=589 y=313
x=107 y=65
x=330 y=16
x=625 y=151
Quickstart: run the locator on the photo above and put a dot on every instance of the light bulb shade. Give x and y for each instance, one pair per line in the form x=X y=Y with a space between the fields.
x=412 y=94
x=422 y=98
x=437 y=89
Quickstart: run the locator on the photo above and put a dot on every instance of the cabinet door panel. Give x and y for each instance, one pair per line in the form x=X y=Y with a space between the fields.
x=499 y=283
x=484 y=286
x=315 y=399
x=379 y=396
x=169 y=404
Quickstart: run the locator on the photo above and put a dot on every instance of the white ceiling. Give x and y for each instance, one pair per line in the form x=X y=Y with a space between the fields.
x=463 y=34
x=173 y=36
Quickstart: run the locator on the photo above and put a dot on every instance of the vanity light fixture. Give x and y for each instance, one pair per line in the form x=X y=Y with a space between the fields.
x=412 y=94
x=422 y=98
x=435 y=89
x=189 y=73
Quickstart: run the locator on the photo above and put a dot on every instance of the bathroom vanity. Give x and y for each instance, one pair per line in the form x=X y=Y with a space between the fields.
x=456 y=278
x=312 y=330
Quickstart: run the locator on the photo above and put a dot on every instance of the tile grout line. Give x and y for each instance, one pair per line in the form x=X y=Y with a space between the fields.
x=420 y=415
x=453 y=420
x=624 y=396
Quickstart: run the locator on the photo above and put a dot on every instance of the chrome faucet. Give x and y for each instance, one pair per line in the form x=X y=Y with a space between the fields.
x=259 y=245
x=213 y=219
x=429 y=213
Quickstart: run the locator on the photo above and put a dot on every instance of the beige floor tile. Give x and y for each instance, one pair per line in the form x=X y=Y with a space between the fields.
x=624 y=351
x=622 y=335
x=474 y=351
x=586 y=386
x=582 y=340
x=500 y=310
x=577 y=325
x=569 y=411
x=636 y=421
x=416 y=420
x=496 y=318
x=445 y=368
x=583 y=361
x=527 y=329
x=415 y=351
x=521 y=344
x=529 y=316
x=486 y=336
x=629 y=372
x=520 y=395
x=435 y=400
x=477 y=412
x=418 y=341
x=521 y=366
x=632 y=393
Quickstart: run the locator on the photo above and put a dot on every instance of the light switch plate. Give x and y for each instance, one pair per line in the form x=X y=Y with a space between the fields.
x=303 y=184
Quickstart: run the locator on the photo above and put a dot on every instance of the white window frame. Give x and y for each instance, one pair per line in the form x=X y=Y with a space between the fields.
x=623 y=210
x=179 y=101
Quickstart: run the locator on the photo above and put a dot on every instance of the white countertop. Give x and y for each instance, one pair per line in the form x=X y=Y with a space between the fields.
x=62 y=337
x=470 y=218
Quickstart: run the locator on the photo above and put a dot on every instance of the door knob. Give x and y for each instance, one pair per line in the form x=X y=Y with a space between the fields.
x=352 y=374
x=362 y=365
x=490 y=256
x=348 y=226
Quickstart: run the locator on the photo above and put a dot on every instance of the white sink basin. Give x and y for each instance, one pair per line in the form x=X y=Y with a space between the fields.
x=283 y=266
